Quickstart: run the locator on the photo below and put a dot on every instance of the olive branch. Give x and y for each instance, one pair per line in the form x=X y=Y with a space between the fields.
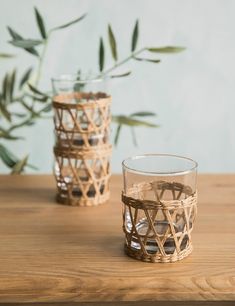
x=22 y=102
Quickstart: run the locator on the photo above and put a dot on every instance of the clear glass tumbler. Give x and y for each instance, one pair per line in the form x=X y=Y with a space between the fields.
x=159 y=206
x=85 y=124
x=82 y=148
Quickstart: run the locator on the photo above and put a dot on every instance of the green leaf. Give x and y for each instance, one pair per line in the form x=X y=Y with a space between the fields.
x=13 y=34
x=135 y=36
x=40 y=23
x=5 y=88
x=147 y=60
x=18 y=168
x=42 y=99
x=25 y=43
x=6 y=55
x=30 y=123
x=5 y=113
x=25 y=77
x=112 y=43
x=143 y=114
x=32 y=51
x=30 y=109
x=47 y=108
x=27 y=121
x=37 y=91
x=7 y=136
x=69 y=23
x=12 y=85
x=116 y=138
x=19 y=115
x=11 y=161
x=101 y=55
x=132 y=122
x=31 y=166
x=17 y=36
x=7 y=157
x=134 y=137
x=8 y=87
x=121 y=75
x=168 y=49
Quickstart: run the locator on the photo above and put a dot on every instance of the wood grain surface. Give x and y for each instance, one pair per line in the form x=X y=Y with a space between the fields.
x=52 y=254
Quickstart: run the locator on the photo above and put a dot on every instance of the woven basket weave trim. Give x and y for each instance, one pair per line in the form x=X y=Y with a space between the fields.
x=93 y=100
x=183 y=205
x=83 y=171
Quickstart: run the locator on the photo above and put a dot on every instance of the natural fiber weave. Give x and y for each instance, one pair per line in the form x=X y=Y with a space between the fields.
x=82 y=150
x=82 y=120
x=175 y=216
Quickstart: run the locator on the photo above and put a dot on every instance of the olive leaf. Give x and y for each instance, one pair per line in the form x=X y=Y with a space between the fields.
x=30 y=109
x=25 y=77
x=40 y=23
x=37 y=91
x=12 y=85
x=28 y=121
x=4 y=112
x=134 y=138
x=143 y=114
x=132 y=122
x=11 y=161
x=101 y=55
x=168 y=49
x=19 y=115
x=5 y=88
x=42 y=99
x=8 y=136
x=127 y=120
x=69 y=23
x=117 y=134
x=14 y=34
x=47 y=108
x=135 y=36
x=6 y=55
x=112 y=43
x=25 y=43
x=20 y=165
x=7 y=157
x=32 y=166
x=17 y=36
x=120 y=75
x=147 y=59
x=8 y=87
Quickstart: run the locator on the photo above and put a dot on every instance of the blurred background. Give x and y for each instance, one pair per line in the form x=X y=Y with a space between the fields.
x=192 y=92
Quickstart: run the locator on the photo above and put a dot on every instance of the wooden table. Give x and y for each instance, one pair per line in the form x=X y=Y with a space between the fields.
x=51 y=253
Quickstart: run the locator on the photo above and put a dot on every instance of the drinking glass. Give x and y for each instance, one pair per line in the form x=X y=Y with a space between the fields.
x=159 y=206
x=82 y=148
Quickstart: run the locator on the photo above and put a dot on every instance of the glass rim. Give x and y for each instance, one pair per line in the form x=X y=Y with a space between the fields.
x=159 y=173
x=72 y=78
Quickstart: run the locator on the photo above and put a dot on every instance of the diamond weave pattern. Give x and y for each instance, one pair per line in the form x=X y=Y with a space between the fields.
x=82 y=150
x=156 y=229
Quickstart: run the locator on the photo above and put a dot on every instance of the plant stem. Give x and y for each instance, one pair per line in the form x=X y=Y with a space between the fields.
x=120 y=63
x=41 y=60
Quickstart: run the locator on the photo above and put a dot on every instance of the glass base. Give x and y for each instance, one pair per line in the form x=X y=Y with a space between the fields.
x=151 y=245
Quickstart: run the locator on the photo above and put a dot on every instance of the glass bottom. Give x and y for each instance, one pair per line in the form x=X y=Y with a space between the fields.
x=151 y=244
x=78 y=193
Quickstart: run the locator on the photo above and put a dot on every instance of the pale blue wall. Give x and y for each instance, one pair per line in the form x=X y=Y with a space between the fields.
x=193 y=92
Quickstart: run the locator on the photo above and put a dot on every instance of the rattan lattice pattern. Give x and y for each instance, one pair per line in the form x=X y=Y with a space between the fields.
x=82 y=120
x=167 y=235
x=82 y=150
